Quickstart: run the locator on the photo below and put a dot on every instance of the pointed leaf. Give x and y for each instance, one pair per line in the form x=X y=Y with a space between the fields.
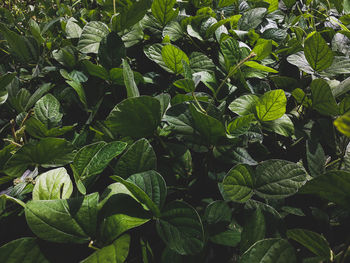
x=272 y=105
x=91 y=36
x=173 y=56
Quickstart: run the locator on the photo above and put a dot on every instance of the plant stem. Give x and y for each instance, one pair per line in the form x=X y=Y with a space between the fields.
x=198 y=104
x=233 y=70
x=114 y=7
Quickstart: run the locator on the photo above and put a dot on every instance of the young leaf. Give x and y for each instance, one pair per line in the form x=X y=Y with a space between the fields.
x=238 y=184
x=278 y=179
x=181 y=229
x=312 y=241
x=342 y=123
x=317 y=52
x=139 y=157
x=322 y=98
x=256 y=65
x=163 y=10
x=70 y=220
x=173 y=56
x=277 y=250
x=53 y=184
x=272 y=105
x=91 y=36
x=136 y=117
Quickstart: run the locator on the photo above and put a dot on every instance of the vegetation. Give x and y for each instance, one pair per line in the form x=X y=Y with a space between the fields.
x=174 y=131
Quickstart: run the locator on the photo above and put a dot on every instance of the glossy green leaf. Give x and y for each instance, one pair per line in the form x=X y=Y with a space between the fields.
x=229 y=238
x=240 y=125
x=91 y=36
x=71 y=220
x=256 y=65
x=22 y=250
x=173 y=56
x=200 y=62
x=317 y=52
x=53 y=184
x=47 y=110
x=129 y=81
x=283 y=126
x=230 y=49
x=278 y=179
x=48 y=152
x=174 y=30
x=298 y=59
x=96 y=70
x=163 y=10
x=38 y=130
x=312 y=241
x=117 y=252
x=181 y=229
x=185 y=84
x=73 y=30
x=154 y=52
x=262 y=49
x=111 y=51
x=238 y=184
x=252 y=18
x=139 y=157
x=253 y=230
x=333 y=186
x=136 y=117
x=233 y=155
x=244 y=105
x=272 y=105
x=316 y=158
x=218 y=212
x=322 y=98
x=269 y=250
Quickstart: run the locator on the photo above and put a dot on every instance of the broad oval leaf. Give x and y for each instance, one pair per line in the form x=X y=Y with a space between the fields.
x=312 y=241
x=63 y=221
x=218 y=212
x=53 y=184
x=244 y=105
x=22 y=250
x=272 y=105
x=47 y=110
x=136 y=117
x=91 y=36
x=181 y=229
x=278 y=179
x=116 y=252
x=111 y=51
x=238 y=184
x=275 y=250
x=342 y=123
x=283 y=126
x=173 y=56
x=317 y=52
x=322 y=98
x=252 y=18
x=163 y=10
x=139 y=157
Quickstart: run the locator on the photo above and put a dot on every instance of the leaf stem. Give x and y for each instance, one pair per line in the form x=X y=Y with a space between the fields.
x=233 y=70
x=92 y=246
x=198 y=104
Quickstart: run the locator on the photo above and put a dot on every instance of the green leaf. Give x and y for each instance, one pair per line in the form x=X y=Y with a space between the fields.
x=272 y=105
x=174 y=30
x=5 y=80
x=91 y=36
x=253 y=230
x=140 y=194
x=342 y=123
x=37 y=95
x=278 y=179
x=70 y=220
x=238 y=184
x=231 y=51
x=244 y=105
x=22 y=250
x=256 y=65
x=96 y=70
x=153 y=184
x=218 y=212
x=229 y=238
x=262 y=48
x=283 y=126
x=181 y=229
x=128 y=75
x=48 y=152
x=38 y=130
x=333 y=186
x=316 y=158
x=111 y=51
x=275 y=250
x=241 y=125
x=252 y=18
x=317 y=52
x=185 y=84
x=200 y=62
x=47 y=110
x=322 y=98
x=163 y=10
x=312 y=241
x=73 y=30
x=173 y=56
x=209 y=128
x=154 y=52
x=136 y=117
x=117 y=252
x=53 y=184
x=298 y=59
x=233 y=155
x=67 y=56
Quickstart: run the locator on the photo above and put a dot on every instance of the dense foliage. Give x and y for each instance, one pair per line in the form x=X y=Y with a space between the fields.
x=174 y=131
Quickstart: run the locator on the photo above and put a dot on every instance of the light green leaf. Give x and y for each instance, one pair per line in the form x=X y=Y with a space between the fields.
x=342 y=123
x=256 y=65
x=181 y=229
x=111 y=51
x=91 y=36
x=73 y=30
x=154 y=52
x=139 y=157
x=262 y=48
x=174 y=30
x=276 y=250
x=129 y=81
x=333 y=186
x=238 y=184
x=283 y=126
x=312 y=241
x=244 y=105
x=317 y=52
x=298 y=59
x=136 y=117
x=173 y=56
x=53 y=184
x=272 y=105
x=273 y=5
x=185 y=84
x=70 y=220
x=47 y=110
x=117 y=252
x=278 y=179
x=22 y=250
x=163 y=10
x=48 y=152
x=322 y=98
x=240 y=125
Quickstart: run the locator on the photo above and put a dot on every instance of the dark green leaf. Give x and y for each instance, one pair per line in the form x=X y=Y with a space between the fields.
x=91 y=36
x=111 y=51
x=322 y=98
